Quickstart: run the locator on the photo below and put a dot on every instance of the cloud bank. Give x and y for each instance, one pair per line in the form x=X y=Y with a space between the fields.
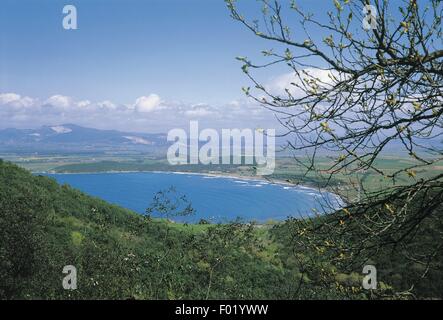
x=148 y=113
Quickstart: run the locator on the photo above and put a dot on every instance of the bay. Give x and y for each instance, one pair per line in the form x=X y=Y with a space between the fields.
x=215 y=198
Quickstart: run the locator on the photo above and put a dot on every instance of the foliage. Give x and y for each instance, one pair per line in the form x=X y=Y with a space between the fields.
x=123 y=255
x=119 y=254
x=355 y=91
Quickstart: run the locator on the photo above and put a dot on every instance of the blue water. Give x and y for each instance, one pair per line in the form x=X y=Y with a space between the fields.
x=216 y=199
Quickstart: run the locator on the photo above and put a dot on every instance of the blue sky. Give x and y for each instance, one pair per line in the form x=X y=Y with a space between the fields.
x=144 y=65
x=139 y=65
x=180 y=50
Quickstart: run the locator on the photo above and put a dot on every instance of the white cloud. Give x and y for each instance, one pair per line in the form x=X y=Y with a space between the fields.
x=59 y=101
x=147 y=104
x=15 y=100
x=6 y=98
x=234 y=103
x=200 y=110
x=107 y=105
x=142 y=116
x=293 y=82
x=25 y=102
x=83 y=103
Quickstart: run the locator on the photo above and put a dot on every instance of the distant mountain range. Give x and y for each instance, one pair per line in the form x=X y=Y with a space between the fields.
x=74 y=139
x=70 y=138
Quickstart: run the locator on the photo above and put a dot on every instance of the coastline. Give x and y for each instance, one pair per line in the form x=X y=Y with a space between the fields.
x=224 y=175
x=208 y=174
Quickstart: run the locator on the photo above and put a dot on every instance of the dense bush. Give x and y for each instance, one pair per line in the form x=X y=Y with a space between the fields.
x=122 y=255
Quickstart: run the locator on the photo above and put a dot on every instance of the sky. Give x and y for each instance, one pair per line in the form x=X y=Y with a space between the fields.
x=173 y=52
x=139 y=65
x=181 y=50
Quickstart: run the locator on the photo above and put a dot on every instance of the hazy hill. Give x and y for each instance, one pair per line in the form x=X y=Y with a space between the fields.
x=72 y=138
